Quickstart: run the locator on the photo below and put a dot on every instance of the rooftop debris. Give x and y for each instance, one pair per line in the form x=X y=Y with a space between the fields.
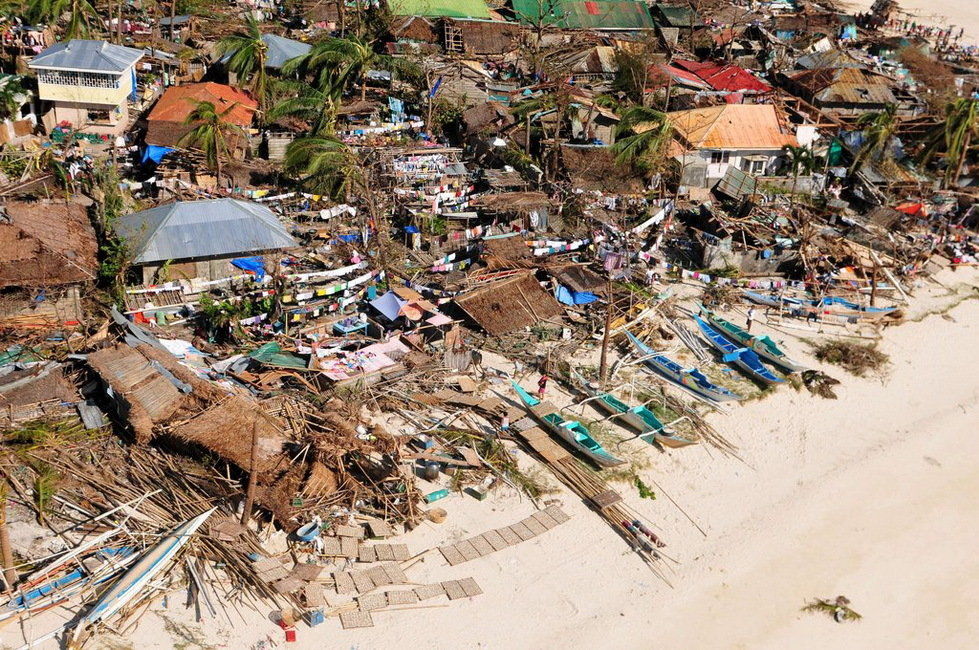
x=268 y=293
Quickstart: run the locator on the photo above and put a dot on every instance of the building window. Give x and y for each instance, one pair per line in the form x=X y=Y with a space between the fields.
x=720 y=157
x=96 y=116
x=73 y=78
x=754 y=166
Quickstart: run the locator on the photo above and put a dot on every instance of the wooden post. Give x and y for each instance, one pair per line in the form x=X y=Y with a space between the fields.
x=6 y=552
x=246 y=511
x=603 y=366
x=873 y=285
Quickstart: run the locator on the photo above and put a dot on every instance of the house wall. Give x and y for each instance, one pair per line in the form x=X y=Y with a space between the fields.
x=698 y=164
x=211 y=269
x=72 y=103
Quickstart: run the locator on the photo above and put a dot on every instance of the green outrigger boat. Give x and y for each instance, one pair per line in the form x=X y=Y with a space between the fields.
x=571 y=431
x=638 y=418
x=763 y=346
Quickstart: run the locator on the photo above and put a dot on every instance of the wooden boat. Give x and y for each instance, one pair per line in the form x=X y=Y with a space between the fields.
x=571 y=431
x=132 y=583
x=639 y=418
x=763 y=346
x=829 y=305
x=690 y=379
x=65 y=582
x=743 y=358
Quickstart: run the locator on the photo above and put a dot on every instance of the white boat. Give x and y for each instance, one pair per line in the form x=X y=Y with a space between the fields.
x=146 y=568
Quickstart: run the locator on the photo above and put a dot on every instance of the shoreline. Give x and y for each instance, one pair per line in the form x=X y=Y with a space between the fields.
x=869 y=496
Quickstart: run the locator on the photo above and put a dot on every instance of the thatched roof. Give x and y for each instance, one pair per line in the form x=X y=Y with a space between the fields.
x=46 y=244
x=509 y=305
x=226 y=429
x=143 y=381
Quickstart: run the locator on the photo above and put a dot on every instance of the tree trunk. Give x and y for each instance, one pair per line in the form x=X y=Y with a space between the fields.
x=363 y=86
x=119 y=23
x=246 y=512
x=965 y=154
x=217 y=170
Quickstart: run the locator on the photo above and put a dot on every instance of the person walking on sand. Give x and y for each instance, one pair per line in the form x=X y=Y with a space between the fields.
x=542 y=386
x=750 y=318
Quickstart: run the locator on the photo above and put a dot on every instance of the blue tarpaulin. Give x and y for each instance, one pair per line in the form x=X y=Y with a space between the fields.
x=155 y=153
x=254 y=265
x=566 y=296
x=389 y=305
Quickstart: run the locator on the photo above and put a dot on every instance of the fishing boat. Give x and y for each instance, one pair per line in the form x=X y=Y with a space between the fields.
x=65 y=582
x=571 y=431
x=639 y=418
x=147 y=567
x=828 y=305
x=763 y=346
x=744 y=358
x=690 y=379
x=766 y=300
x=839 y=305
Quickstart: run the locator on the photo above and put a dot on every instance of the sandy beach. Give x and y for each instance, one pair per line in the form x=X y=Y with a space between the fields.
x=938 y=13
x=871 y=496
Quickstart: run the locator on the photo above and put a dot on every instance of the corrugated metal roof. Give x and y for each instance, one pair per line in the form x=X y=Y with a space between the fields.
x=848 y=85
x=202 y=229
x=447 y=8
x=87 y=56
x=731 y=126
x=282 y=49
x=178 y=102
x=587 y=14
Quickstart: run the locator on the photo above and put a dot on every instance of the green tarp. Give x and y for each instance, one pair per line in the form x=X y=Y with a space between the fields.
x=447 y=8
x=272 y=355
x=589 y=14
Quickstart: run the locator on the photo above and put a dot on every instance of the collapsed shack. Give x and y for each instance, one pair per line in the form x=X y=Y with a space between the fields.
x=292 y=452
x=511 y=304
x=48 y=252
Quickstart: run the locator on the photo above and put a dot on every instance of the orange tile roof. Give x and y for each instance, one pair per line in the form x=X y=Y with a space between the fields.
x=179 y=101
x=731 y=126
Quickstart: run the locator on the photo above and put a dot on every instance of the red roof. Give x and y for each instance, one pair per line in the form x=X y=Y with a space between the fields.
x=179 y=101
x=723 y=78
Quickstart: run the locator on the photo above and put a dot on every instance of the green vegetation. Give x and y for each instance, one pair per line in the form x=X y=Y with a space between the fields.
x=855 y=358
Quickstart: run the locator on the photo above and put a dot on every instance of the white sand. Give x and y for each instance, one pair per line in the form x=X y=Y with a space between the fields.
x=936 y=13
x=871 y=496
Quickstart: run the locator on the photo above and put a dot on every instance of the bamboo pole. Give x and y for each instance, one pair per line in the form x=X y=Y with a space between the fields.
x=6 y=552
x=252 y=478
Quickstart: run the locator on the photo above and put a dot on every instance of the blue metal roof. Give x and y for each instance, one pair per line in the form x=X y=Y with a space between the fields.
x=282 y=49
x=87 y=56
x=201 y=229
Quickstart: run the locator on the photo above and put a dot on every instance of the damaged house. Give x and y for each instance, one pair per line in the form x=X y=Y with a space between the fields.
x=509 y=305
x=199 y=239
x=850 y=92
x=749 y=137
x=48 y=253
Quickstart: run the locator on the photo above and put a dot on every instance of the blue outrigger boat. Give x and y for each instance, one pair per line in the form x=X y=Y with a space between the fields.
x=744 y=358
x=571 y=431
x=639 y=418
x=763 y=345
x=690 y=379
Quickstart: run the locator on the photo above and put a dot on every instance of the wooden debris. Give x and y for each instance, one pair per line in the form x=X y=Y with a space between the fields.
x=355 y=619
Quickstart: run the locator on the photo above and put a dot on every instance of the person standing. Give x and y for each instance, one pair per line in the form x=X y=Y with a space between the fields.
x=750 y=318
x=542 y=386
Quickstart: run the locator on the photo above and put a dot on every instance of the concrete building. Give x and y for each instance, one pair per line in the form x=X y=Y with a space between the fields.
x=88 y=84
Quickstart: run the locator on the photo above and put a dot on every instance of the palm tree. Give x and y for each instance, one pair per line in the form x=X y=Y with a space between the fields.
x=642 y=137
x=953 y=137
x=878 y=130
x=801 y=161
x=13 y=95
x=339 y=62
x=247 y=56
x=315 y=106
x=323 y=164
x=212 y=134
x=50 y=11
x=555 y=103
